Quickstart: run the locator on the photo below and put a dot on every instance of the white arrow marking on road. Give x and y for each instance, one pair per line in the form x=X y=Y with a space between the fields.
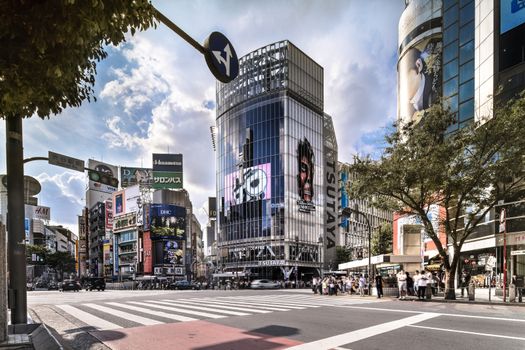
x=360 y=334
x=225 y=61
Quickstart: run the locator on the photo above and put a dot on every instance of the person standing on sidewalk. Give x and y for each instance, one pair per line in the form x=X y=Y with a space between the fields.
x=416 y=280
x=402 y=284
x=379 y=285
x=362 y=284
x=465 y=280
x=422 y=286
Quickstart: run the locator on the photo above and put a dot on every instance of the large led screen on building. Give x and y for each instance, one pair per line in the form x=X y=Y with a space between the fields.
x=173 y=253
x=512 y=14
x=419 y=79
x=305 y=175
x=167 y=222
x=249 y=184
x=135 y=176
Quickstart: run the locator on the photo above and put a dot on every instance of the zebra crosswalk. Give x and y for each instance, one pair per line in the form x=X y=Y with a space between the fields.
x=108 y=315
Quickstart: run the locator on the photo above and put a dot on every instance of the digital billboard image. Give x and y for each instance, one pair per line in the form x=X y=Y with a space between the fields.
x=173 y=253
x=419 y=79
x=249 y=184
x=167 y=222
x=305 y=175
x=135 y=176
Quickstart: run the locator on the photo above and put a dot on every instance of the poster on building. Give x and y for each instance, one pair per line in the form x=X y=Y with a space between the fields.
x=212 y=207
x=37 y=212
x=419 y=79
x=167 y=222
x=135 y=176
x=104 y=168
x=250 y=184
x=109 y=215
x=173 y=253
x=167 y=171
x=305 y=176
x=119 y=203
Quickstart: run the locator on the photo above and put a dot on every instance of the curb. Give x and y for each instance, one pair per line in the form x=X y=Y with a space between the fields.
x=493 y=303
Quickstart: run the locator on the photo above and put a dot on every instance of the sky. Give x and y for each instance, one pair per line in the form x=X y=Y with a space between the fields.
x=155 y=93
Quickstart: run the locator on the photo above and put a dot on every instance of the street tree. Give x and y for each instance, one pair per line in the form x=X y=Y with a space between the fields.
x=466 y=173
x=61 y=262
x=342 y=255
x=382 y=239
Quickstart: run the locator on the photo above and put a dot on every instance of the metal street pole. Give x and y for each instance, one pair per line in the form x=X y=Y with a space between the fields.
x=15 y=224
x=296 y=260
x=320 y=257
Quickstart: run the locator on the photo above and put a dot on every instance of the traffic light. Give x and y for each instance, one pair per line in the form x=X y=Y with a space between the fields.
x=102 y=178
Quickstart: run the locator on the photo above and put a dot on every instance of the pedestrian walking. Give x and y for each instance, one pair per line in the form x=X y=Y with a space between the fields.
x=362 y=284
x=465 y=280
x=422 y=286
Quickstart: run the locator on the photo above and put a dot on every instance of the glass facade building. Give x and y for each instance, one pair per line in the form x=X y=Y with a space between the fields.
x=273 y=145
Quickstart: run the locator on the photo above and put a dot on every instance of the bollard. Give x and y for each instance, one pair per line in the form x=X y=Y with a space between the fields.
x=512 y=293
x=471 y=291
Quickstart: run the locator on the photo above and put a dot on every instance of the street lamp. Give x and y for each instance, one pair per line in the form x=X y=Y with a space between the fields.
x=320 y=241
x=347 y=212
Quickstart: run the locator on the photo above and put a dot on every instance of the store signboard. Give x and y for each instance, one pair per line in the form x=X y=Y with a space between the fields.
x=517 y=252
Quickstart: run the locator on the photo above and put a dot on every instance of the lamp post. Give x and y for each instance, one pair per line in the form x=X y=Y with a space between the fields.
x=347 y=212
x=320 y=241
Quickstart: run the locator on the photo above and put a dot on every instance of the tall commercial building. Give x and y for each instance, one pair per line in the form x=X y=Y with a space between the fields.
x=472 y=53
x=277 y=187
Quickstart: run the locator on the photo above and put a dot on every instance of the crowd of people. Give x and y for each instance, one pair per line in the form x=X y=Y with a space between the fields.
x=356 y=284
x=418 y=284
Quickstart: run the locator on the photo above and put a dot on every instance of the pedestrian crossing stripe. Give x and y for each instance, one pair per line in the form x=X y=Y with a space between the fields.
x=180 y=310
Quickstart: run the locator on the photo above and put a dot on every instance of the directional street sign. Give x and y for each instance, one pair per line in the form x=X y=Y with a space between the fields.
x=221 y=57
x=65 y=161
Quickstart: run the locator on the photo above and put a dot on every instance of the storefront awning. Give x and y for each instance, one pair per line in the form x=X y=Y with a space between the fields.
x=380 y=259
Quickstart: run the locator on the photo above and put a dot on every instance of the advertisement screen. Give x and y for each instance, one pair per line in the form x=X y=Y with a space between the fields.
x=249 y=184
x=419 y=79
x=135 y=176
x=173 y=253
x=167 y=222
x=167 y=162
x=512 y=14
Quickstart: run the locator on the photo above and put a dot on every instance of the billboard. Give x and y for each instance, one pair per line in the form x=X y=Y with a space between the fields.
x=108 y=169
x=305 y=176
x=249 y=184
x=212 y=207
x=124 y=222
x=167 y=222
x=512 y=14
x=173 y=253
x=109 y=215
x=119 y=203
x=37 y=212
x=419 y=77
x=135 y=176
x=167 y=171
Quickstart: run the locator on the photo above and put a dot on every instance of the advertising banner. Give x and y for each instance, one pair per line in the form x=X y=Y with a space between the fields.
x=305 y=176
x=173 y=253
x=132 y=196
x=108 y=169
x=167 y=162
x=37 y=212
x=249 y=184
x=167 y=222
x=419 y=79
x=119 y=203
x=165 y=180
x=109 y=215
x=135 y=176
x=212 y=207
x=124 y=222
x=512 y=14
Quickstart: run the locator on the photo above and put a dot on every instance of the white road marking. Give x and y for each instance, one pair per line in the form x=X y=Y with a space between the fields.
x=360 y=334
x=221 y=305
x=467 y=332
x=88 y=318
x=437 y=313
x=192 y=306
x=277 y=301
x=152 y=303
x=154 y=313
x=259 y=305
x=125 y=315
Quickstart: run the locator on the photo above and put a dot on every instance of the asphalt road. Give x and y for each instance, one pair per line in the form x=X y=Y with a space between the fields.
x=271 y=319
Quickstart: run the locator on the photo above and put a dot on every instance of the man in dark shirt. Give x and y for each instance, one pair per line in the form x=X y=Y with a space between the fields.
x=379 y=285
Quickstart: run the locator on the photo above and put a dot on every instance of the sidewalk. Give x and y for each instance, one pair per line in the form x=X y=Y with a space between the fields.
x=481 y=296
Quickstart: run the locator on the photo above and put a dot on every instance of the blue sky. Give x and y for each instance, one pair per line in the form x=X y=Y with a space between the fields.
x=155 y=92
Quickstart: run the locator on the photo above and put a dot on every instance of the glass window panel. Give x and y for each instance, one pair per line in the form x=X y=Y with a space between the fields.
x=466 y=110
x=450 y=16
x=466 y=13
x=466 y=91
x=450 y=87
x=466 y=33
x=466 y=72
x=450 y=70
x=448 y=3
x=450 y=33
x=450 y=52
x=466 y=52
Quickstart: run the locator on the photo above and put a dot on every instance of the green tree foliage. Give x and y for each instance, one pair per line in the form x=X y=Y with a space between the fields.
x=40 y=252
x=382 y=239
x=466 y=173
x=50 y=49
x=342 y=255
x=62 y=262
